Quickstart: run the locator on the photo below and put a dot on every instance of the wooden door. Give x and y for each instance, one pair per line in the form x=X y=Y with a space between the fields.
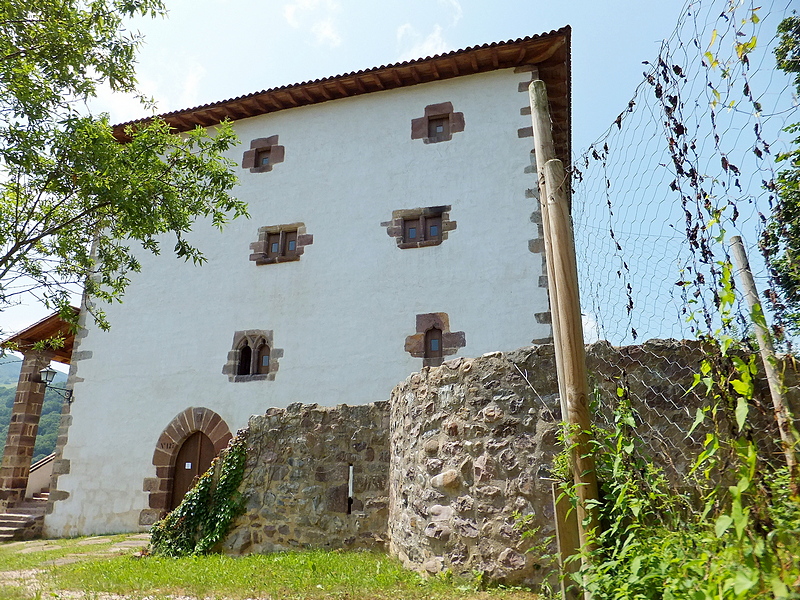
x=194 y=459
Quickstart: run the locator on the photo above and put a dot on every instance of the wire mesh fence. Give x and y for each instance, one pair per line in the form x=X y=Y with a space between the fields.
x=690 y=162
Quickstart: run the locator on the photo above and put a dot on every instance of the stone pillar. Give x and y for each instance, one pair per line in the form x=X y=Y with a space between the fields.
x=22 y=429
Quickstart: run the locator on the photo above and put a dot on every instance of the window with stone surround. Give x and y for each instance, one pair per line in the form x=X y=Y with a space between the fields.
x=438 y=123
x=434 y=340
x=280 y=243
x=420 y=227
x=253 y=356
x=263 y=154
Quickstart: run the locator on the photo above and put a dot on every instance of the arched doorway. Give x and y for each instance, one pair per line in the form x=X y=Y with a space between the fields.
x=193 y=459
x=172 y=441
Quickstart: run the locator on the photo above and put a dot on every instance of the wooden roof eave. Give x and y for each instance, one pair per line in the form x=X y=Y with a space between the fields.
x=549 y=52
x=50 y=327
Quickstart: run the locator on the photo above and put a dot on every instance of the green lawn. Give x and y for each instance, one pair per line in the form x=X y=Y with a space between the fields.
x=286 y=576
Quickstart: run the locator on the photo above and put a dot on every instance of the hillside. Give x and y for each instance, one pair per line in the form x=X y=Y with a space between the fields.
x=51 y=410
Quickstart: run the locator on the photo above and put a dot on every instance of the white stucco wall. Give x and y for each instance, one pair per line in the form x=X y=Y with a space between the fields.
x=341 y=313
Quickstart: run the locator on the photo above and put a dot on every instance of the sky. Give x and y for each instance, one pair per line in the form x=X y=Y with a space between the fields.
x=211 y=50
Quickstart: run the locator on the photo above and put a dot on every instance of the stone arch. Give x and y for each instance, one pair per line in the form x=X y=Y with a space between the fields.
x=186 y=423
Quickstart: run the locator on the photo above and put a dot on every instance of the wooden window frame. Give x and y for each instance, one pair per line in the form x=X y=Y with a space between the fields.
x=260 y=368
x=262 y=154
x=280 y=243
x=424 y=218
x=433 y=337
x=442 y=121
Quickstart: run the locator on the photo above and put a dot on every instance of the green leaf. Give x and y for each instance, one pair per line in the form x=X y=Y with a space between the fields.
x=636 y=564
x=742 y=387
x=744 y=581
x=741 y=412
x=713 y=39
x=722 y=524
x=779 y=589
x=740 y=516
x=699 y=417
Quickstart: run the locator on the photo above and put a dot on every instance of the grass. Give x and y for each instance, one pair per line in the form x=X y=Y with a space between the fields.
x=308 y=575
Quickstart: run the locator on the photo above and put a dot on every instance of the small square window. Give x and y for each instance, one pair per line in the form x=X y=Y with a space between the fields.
x=439 y=127
x=434 y=345
x=262 y=158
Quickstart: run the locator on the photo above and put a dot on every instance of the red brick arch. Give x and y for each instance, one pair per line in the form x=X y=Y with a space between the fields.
x=186 y=423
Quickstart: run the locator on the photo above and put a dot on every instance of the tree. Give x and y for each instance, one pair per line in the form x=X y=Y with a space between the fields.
x=780 y=241
x=73 y=199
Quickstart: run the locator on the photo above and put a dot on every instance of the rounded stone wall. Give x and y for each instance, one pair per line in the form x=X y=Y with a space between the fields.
x=471 y=443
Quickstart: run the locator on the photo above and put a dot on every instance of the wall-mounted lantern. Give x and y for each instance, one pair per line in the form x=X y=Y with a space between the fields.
x=47 y=374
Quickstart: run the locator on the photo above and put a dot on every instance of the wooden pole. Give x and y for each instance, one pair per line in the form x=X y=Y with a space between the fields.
x=568 y=543
x=544 y=152
x=563 y=285
x=767 y=351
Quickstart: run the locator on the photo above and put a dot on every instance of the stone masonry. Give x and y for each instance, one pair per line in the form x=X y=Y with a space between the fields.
x=443 y=472
x=297 y=479
x=22 y=429
x=472 y=442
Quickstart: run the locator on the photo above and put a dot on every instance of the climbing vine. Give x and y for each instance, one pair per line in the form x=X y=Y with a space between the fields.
x=734 y=536
x=207 y=511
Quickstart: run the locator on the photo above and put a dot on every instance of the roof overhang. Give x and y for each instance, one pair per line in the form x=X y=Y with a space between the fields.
x=548 y=52
x=49 y=328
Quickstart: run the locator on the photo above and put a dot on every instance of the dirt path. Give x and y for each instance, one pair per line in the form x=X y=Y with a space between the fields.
x=33 y=581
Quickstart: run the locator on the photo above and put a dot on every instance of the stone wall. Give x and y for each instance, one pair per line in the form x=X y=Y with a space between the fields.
x=297 y=479
x=444 y=470
x=472 y=442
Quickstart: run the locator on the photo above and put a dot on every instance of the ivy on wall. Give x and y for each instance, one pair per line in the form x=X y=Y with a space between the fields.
x=207 y=511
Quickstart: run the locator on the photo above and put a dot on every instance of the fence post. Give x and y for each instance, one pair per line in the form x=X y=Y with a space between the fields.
x=565 y=307
x=767 y=351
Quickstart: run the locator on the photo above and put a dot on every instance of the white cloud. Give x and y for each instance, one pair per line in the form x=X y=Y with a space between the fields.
x=419 y=46
x=190 y=86
x=591 y=330
x=458 y=12
x=124 y=107
x=325 y=33
x=316 y=16
x=177 y=87
x=404 y=30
